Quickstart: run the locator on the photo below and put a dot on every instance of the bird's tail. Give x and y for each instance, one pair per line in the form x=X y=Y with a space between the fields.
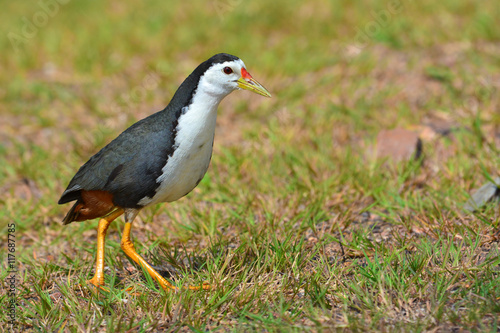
x=73 y=213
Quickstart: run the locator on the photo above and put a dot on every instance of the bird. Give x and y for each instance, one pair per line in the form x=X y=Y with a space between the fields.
x=160 y=158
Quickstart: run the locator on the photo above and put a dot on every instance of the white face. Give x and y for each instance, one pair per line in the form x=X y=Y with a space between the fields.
x=222 y=79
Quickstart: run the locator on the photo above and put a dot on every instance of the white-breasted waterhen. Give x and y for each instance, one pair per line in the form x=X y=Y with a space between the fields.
x=161 y=158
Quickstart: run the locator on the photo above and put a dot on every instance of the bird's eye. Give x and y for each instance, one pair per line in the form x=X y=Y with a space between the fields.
x=227 y=70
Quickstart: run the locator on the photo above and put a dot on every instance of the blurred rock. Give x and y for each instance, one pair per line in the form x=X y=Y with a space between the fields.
x=441 y=126
x=486 y=193
x=398 y=145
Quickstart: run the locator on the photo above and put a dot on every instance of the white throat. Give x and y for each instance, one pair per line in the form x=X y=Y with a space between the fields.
x=208 y=92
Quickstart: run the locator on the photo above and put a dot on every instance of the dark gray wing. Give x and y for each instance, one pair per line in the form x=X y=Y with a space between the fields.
x=130 y=164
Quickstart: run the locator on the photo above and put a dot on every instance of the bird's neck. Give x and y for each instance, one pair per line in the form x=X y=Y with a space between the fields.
x=205 y=100
x=196 y=124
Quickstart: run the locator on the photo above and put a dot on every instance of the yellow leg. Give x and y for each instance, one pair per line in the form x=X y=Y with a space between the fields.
x=129 y=249
x=98 y=279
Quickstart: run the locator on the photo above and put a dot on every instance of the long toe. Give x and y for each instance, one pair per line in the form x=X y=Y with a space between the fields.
x=204 y=286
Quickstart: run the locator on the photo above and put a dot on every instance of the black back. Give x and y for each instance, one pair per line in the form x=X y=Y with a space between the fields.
x=129 y=166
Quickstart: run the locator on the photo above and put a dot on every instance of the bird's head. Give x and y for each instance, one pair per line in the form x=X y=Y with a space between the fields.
x=227 y=73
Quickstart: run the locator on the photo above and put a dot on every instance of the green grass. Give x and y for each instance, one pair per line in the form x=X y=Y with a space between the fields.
x=296 y=225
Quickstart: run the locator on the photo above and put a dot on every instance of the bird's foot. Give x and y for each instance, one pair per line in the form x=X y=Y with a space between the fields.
x=167 y=286
x=97 y=283
x=204 y=286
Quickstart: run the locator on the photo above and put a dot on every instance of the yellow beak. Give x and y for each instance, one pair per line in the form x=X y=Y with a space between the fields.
x=249 y=83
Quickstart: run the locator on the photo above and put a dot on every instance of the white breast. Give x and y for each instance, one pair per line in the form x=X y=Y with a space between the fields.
x=190 y=160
